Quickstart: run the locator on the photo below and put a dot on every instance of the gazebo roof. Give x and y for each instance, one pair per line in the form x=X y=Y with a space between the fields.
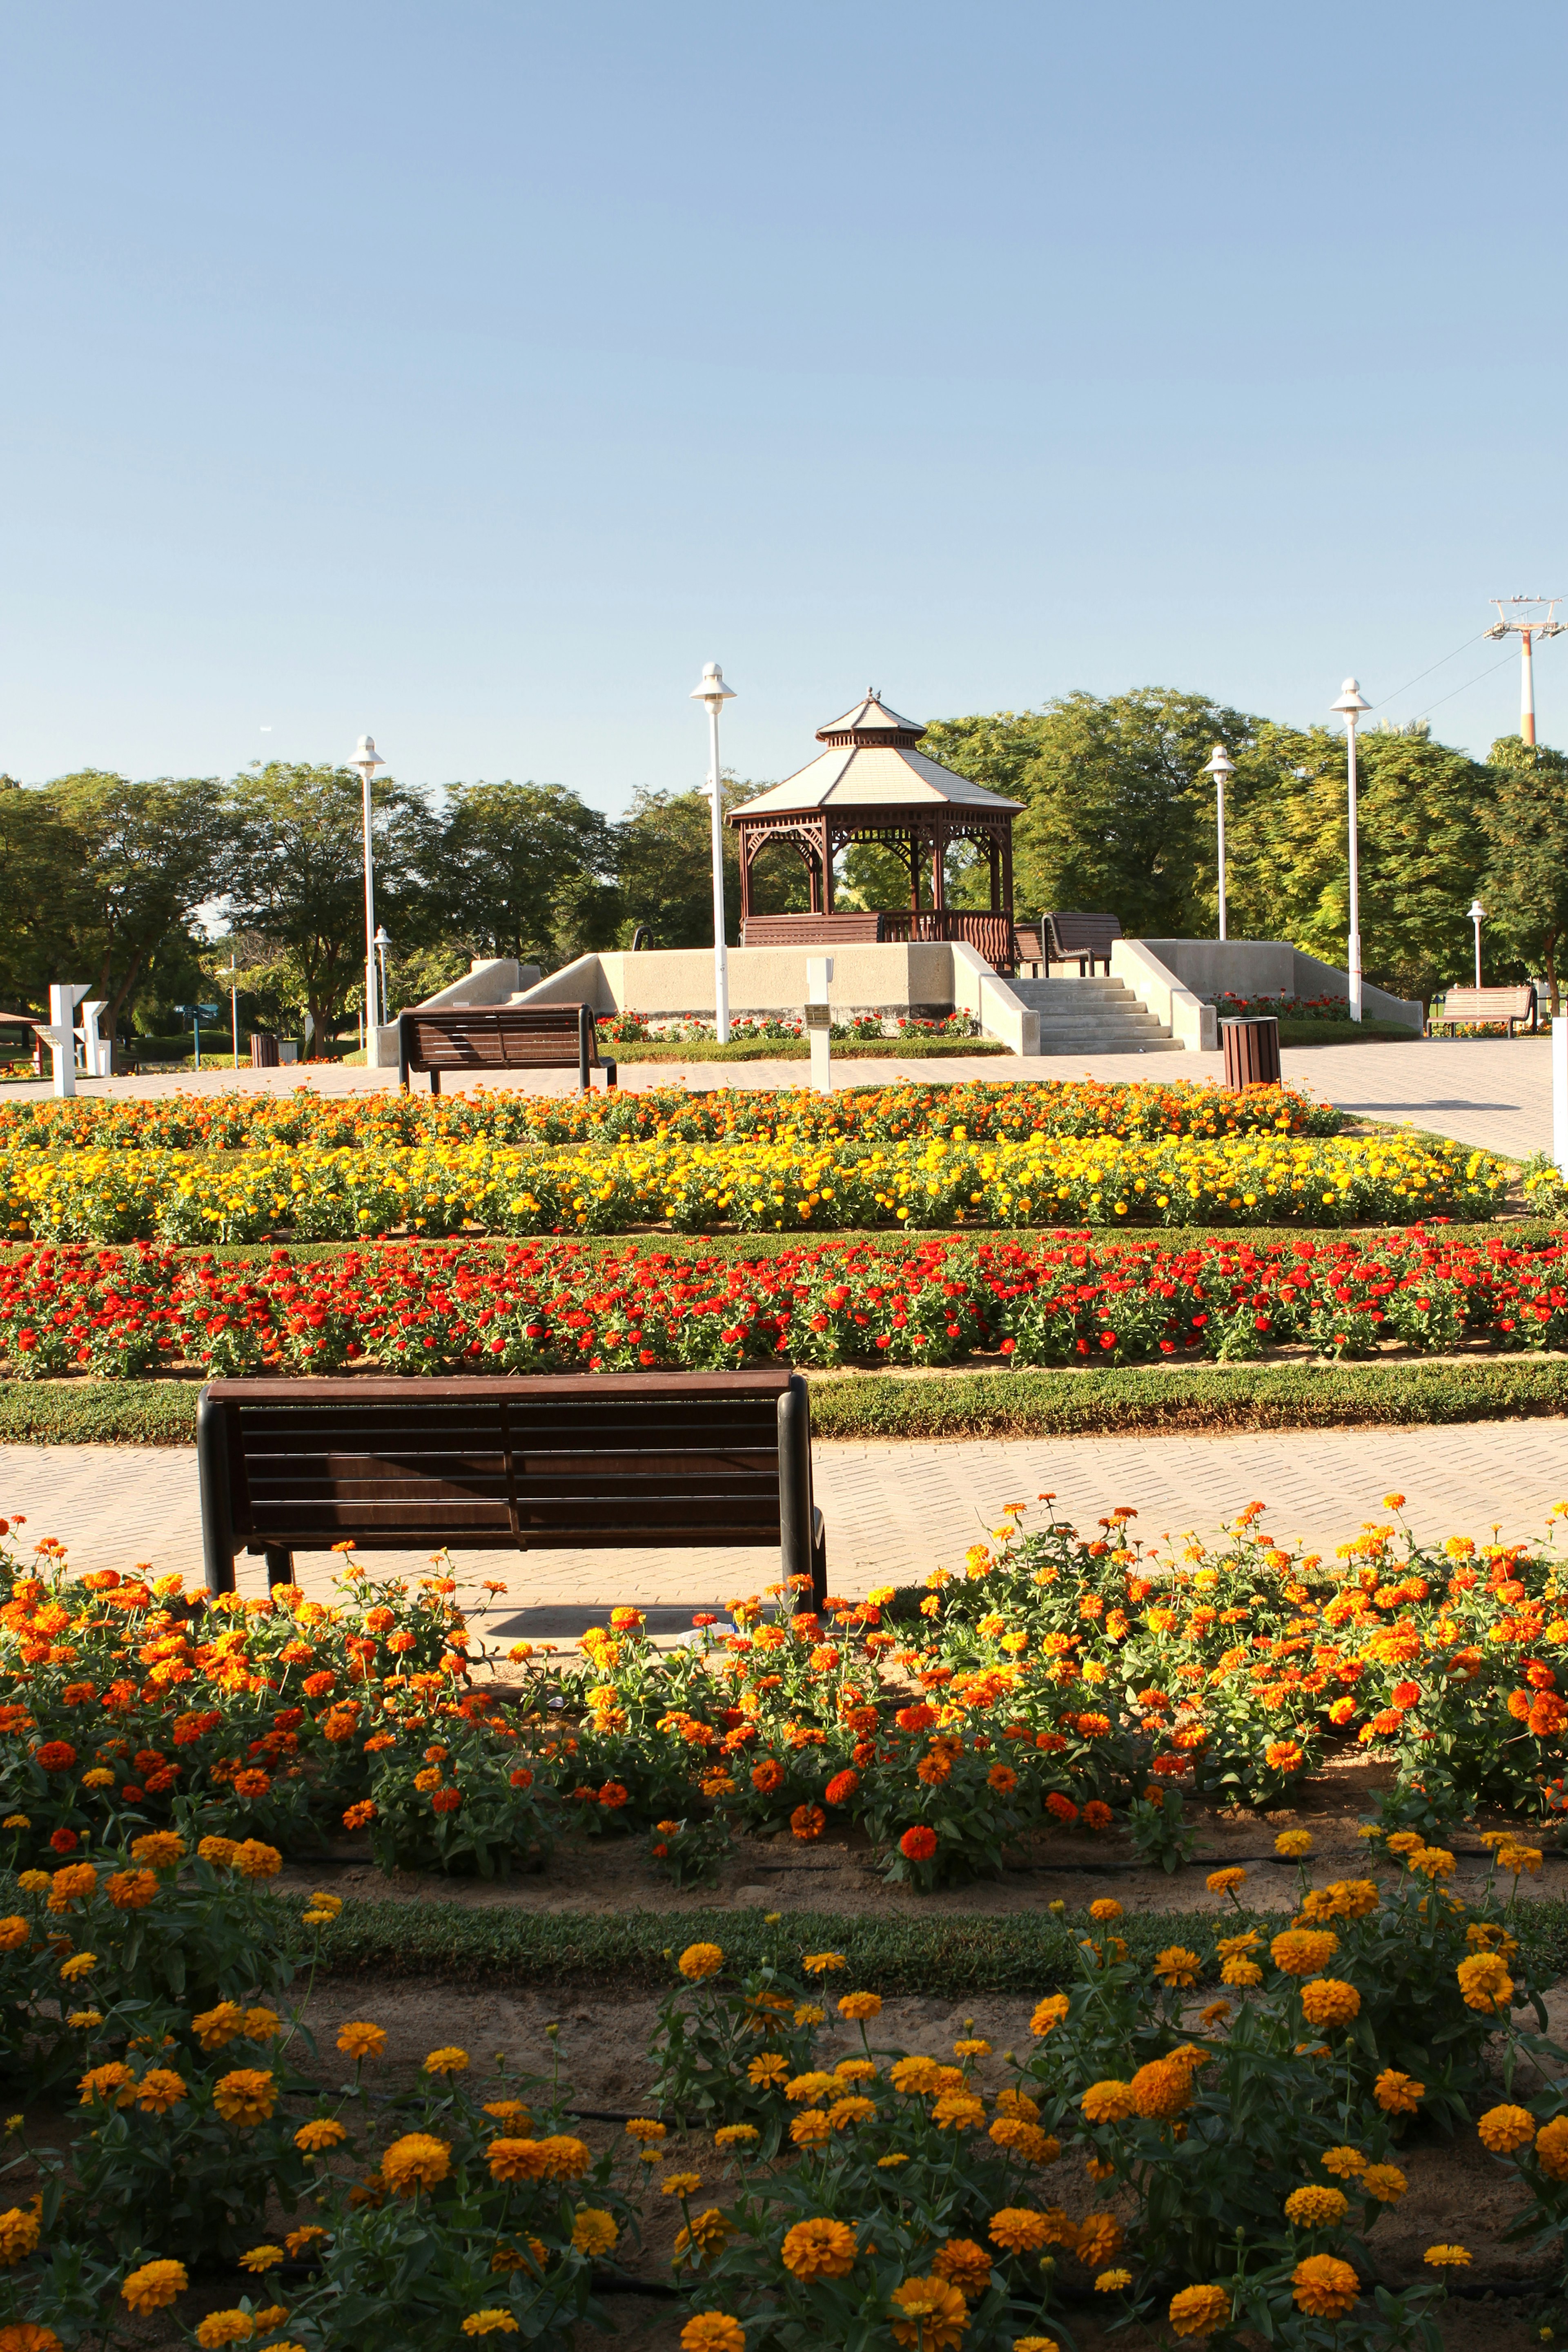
x=872 y=761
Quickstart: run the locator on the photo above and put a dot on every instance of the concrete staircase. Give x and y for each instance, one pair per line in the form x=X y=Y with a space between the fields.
x=1092 y=1016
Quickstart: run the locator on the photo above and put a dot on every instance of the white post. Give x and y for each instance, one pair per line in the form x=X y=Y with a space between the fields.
x=720 y=951
x=97 y=1059
x=367 y=759
x=234 y=1006
x=1478 y=924
x=1219 y=795
x=1350 y=704
x=1526 y=693
x=60 y=1034
x=1559 y=1090
x=818 y=1020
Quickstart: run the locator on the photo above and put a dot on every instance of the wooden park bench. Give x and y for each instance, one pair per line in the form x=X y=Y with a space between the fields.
x=500 y=1037
x=1505 y=1006
x=851 y=930
x=1081 y=940
x=1029 y=946
x=591 y=1462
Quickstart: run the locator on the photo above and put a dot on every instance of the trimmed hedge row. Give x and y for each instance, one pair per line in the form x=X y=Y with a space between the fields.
x=955 y=1404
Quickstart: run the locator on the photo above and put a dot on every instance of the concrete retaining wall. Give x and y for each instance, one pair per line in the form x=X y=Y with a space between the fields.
x=1271 y=968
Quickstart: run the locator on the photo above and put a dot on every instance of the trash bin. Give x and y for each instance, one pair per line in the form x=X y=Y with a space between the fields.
x=289 y=1049
x=264 y=1049
x=1251 y=1053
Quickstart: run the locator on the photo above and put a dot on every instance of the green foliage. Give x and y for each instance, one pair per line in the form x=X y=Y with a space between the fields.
x=1526 y=887
x=523 y=870
x=665 y=867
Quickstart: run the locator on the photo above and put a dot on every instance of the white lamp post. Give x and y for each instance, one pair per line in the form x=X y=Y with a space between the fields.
x=715 y=694
x=1220 y=765
x=367 y=759
x=1350 y=706
x=381 y=945
x=1478 y=913
x=234 y=1006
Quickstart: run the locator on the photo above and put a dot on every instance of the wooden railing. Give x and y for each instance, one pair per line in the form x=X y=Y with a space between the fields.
x=990 y=936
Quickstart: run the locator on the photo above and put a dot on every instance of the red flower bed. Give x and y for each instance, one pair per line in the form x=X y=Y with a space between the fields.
x=552 y=1306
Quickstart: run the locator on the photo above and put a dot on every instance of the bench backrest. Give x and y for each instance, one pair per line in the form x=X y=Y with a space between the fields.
x=495 y=1036
x=1083 y=935
x=1030 y=945
x=552 y=1463
x=811 y=930
x=1515 y=1003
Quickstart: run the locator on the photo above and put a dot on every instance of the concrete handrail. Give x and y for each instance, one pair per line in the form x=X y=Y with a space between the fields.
x=979 y=989
x=1190 y=1022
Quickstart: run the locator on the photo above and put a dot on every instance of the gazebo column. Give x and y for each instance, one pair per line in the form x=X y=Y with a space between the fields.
x=938 y=862
x=827 y=870
x=1006 y=905
x=914 y=872
x=746 y=858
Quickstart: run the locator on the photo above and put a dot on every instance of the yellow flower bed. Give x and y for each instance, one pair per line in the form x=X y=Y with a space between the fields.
x=754 y=1184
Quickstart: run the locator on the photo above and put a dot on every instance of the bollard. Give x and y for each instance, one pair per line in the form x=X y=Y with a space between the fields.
x=818 y=1022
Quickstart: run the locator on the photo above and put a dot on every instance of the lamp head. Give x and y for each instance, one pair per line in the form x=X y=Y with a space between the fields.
x=1220 y=765
x=1350 y=703
x=1477 y=910
x=367 y=759
x=381 y=939
x=713 y=690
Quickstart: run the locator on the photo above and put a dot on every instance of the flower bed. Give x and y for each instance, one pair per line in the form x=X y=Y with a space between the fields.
x=811 y=2177
x=342 y=1193
x=1143 y=1109
x=1283 y=1008
x=125 y=1313
x=1061 y=1681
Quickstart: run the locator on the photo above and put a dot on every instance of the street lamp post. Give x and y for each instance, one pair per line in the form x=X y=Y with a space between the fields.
x=381 y=945
x=234 y=1006
x=715 y=694
x=1350 y=706
x=1220 y=765
x=1478 y=913
x=367 y=759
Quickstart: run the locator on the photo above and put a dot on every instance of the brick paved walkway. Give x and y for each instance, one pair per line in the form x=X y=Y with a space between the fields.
x=893 y=1511
x=1494 y=1092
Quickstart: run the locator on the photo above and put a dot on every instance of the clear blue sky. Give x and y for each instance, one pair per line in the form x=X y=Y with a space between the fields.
x=471 y=372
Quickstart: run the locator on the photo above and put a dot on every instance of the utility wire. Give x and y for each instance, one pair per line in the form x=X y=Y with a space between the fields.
x=1409 y=682
x=1465 y=688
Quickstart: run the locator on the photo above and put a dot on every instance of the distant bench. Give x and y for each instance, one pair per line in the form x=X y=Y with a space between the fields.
x=592 y=1462
x=500 y=1037
x=851 y=930
x=1081 y=940
x=1504 y=1006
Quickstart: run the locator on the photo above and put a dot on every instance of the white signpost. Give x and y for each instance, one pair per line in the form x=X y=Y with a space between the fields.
x=818 y=1022
x=60 y=1032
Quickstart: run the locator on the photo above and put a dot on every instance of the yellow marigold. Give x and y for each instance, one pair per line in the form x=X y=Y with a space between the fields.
x=1485 y=1982
x=362 y=2040
x=821 y=1963
x=643 y=2127
x=1036 y=2344
x=713 y=2331
x=1315 y=2206
x=1224 y=1882
x=811 y=2129
x=1109 y=2102
x=418 y=2161
x=858 y=2005
x=516 y=2160
x=80 y=1964
x=159 y=2090
x=1324 y=2288
x=594 y=2231
x=916 y=2075
x=214 y=2027
x=679 y=2184
x=158 y=1850
x=252 y=1858
x=1431 y=1861
x=1176 y=1966
x=114 y=2081
x=1329 y=2000
x=1105 y=1910
x=958 y=2111
x=1293 y=1844
x=1161 y=2090
x=154 y=2287
x=964 y=2265
x=818 y=2249
x=1018 y=2230
x=15 y=1931
x=808 y=2087
x=1302 y=1951
x=1398 y=2093
x=19 y=2230
x=934 y=2314
x=491 y=2322
x=246 y=2097
x=1552 y=2149
x=221 y=2327
x=1345 y=2163
x=219 y=1852
x=1199 y=2310
x=446 y=2061
x=1240 y=1971
x=566 y=2157
x=851 y=2110
x=1502 y=2129
x=1386 y=2182
x=321 y=2131
x=736 y=2134
x=700 y=1960
x=261 y=2259
x=1049 y=2013
x=1099 y=2239
x=706 y=2235
x=1447 y=2258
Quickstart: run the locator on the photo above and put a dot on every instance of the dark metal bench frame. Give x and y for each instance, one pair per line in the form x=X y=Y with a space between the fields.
x=480 y=1491
x=1080 y=939
x=511 y=1024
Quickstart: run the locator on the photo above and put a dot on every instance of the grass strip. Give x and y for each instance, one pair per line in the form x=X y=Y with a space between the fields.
x=947 y=1956
x=955 y=1404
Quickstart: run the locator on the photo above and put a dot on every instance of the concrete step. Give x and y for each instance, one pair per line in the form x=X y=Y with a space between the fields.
x=1121 y=1042
x=1063 y=1036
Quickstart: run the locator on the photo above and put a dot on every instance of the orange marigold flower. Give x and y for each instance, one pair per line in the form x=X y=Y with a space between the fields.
x=818 y=2249
x=1324 y=2288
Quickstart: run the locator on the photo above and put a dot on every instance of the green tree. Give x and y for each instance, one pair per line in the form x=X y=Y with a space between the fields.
x=522 y=870
x=1526 y=824
x=298 y=876
x=102 y=873
x=664 y=865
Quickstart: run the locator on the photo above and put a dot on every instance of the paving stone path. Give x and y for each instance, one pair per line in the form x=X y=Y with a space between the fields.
x=893 y=1511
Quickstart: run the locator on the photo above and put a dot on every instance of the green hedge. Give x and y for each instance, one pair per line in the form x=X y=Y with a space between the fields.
x=950 y=1955
x=955 y=1404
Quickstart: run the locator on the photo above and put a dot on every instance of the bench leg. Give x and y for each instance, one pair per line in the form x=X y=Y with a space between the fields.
x=819 y=1559
x=582 y=1036
x=218 y=1516
x=796 y=1513
x=435 y=1082
x=279 y=1565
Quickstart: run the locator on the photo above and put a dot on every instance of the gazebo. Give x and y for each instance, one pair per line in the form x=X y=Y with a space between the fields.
x=871 y=783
